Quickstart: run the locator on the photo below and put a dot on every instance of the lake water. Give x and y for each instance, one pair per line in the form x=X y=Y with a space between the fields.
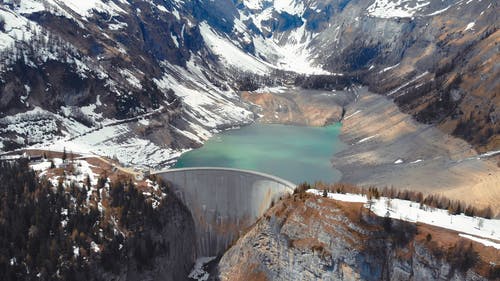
x=294 y=153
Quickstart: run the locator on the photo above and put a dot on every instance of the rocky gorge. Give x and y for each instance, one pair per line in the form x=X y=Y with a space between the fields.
x=415 y=84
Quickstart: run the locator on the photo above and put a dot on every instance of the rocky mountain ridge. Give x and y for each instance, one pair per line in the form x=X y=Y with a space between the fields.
x=437 y=59
x=87 y=73
x=145 y=80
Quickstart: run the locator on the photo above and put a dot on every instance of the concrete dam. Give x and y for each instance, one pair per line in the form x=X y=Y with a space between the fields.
x=224 y=202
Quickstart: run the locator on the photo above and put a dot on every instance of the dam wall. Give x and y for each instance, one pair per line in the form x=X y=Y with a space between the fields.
x=224 y=202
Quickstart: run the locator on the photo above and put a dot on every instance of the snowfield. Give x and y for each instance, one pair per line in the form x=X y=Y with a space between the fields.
x=282 y=51
x=115 y=142
x=396 y=8
x=484 y=231
x=231 y=54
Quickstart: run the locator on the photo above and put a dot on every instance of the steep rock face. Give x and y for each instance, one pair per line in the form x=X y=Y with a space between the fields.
x=313 y=238
x=164 y=253
x=173 y=247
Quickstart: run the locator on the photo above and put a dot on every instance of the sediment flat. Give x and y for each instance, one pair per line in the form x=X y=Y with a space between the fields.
x=389 y=148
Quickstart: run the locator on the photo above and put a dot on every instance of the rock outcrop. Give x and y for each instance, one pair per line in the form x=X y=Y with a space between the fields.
x=294 y=106
x=314 y=238
x=173 y=245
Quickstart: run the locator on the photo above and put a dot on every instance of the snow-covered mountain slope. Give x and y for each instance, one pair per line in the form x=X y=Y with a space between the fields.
x=165 y=75
x=130 y=79
x=317 y=30
x=421 y=53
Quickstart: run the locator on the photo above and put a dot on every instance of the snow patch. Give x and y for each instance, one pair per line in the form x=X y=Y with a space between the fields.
x=95 y=247
x=367 y=138
x=470 y=26
x=230 y=53
x=85 y=8
x=266 y=89
x=198 y=272
x=389 y=68
x=396 y=8
x=439 y=11
x=351 y=115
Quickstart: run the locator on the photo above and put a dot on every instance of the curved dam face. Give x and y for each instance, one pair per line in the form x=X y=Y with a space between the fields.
x=224 y=202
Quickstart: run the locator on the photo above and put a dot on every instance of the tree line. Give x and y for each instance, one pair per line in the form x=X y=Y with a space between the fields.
x=454 y=207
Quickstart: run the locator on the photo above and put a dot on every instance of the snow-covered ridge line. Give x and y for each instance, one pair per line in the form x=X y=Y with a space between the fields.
x=413 y=212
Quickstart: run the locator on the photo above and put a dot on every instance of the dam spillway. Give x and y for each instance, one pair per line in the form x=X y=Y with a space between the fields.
x=223 y=201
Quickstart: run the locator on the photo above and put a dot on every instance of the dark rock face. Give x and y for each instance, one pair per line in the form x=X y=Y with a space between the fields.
x=54 y=84
x=219 y=14
x=281 y=22
x=173 y=246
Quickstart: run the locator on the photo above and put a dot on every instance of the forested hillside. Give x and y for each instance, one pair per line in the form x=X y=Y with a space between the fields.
x=84 y=232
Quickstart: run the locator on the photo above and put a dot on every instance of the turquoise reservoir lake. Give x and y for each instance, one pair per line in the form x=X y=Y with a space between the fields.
x=294 y=153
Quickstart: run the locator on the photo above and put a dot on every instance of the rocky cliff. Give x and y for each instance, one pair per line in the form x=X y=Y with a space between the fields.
x=171 y=246
x=314 y=238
